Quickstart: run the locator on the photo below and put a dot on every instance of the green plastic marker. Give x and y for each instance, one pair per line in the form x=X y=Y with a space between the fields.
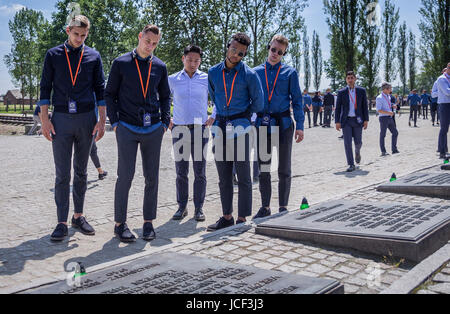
x=82 y=271
x=305 y=204
x=393 y=177
x=446 y=161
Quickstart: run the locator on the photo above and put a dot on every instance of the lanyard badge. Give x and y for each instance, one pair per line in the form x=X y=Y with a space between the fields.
x=229 y=125
x=266 y=118
x=72 y=103
x=72 y=106
x=147 y=119
x=144 y=91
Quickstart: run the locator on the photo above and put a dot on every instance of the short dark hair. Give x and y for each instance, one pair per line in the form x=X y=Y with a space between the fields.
x=350 y=73
x=241 y=38
x=193 y=48
x=151 y=28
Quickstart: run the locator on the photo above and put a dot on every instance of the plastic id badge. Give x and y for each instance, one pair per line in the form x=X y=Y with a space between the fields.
x=265 y=120
x=147 y=119
x=229 y=127
x=72 y=106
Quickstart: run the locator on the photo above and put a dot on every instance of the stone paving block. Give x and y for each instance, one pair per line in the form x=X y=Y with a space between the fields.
x=247 y=261
x=318 y=269
x=277 y=260
x=263 y=265
x=442 y=288
x=287 y=269
x=348 y=270
x=441 y=277
x=337 y=275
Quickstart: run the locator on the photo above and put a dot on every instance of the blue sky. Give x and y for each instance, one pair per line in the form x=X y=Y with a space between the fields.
x=314 y=16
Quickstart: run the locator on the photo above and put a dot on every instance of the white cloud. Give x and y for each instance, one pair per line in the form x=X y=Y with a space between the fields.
x=10 y=9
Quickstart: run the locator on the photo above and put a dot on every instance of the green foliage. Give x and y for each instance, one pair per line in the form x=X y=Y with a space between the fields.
x=391 y=17
x=401 y=55
x=24 y=59
x=369 y=57
x=343 y=21
x=317 y=63
x=435 y=39
x=412 y=61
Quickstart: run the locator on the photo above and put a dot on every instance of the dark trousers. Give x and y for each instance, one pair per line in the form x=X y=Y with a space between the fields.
x=284 y=167
x=425 y=111
x=94 y=155
x=225 y=160
x=73 y=133
x=308 y=114
x=352 y=130
x=328 y=111
x=190 y=143
x=316 y=110
x=434 y=113
x=321 y=117
x=445 y=121
x=413 y=110
x=127 y=145
x=385 y=124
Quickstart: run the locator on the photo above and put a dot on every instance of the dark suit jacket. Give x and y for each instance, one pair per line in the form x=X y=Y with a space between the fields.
x=328 y=100
x=343 y=103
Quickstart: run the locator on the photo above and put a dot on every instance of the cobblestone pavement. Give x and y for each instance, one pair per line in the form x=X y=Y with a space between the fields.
x=438 y=284
x=29 y=215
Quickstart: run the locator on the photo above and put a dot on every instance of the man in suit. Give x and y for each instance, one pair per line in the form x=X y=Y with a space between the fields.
x=352 y=115
x=328 y=104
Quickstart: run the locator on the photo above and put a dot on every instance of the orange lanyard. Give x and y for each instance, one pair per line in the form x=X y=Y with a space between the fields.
x=388 y=101
x=144 y=92
x=351 y=98
x=74 y=80
x=270 y=94
x=225 y=87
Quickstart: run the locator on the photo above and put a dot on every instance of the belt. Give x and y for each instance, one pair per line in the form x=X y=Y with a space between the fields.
x=277 y=116
x=189 y=126
x=81 y=108
x=223 y=119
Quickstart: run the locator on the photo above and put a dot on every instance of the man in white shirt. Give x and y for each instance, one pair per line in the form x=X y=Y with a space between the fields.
x=189 y=89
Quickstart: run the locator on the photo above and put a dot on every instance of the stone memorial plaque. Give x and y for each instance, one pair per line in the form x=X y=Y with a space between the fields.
x=397 y=229
x=436 y=184
x=171 y=273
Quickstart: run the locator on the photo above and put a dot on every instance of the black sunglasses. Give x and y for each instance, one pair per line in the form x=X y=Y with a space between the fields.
x=280 y=52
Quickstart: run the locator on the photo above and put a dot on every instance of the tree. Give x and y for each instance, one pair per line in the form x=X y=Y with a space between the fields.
x=369 y=57
x=435 y=38
x=343 y=21
x=294 y=31
x=391 y=17
x=22 y=61
x=401 y=55
x=412 y=60
x=307 y=62
x=317 y=63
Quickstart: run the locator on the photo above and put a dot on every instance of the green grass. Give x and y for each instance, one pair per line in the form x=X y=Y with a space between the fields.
x=18 y=111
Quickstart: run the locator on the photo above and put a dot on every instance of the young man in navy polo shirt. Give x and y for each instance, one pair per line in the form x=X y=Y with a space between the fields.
x=138 y=100
x=74 y=72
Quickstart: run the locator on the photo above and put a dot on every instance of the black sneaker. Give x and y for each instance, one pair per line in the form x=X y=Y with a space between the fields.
x=263 y=212
x=124 y=233
x=238 y=222
x=384 y=154
x=82 y=224
x=60 y=232
x=221 y=223
x=198 y=215
x=148 y=233
x=351 y=168
x=180 y=214
x=103 y=175
x=358 y=158
x=395 y=152
x=282 y=210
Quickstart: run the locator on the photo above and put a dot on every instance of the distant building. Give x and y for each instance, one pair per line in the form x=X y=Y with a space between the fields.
x=14 y=97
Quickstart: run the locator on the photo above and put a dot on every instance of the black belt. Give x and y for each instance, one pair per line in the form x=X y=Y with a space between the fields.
x=277 y=116
x=189 y=126
x=224 y=119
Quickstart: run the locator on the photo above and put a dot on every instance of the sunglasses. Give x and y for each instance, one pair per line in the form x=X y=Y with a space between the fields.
x=280 y=52
x=235 y=51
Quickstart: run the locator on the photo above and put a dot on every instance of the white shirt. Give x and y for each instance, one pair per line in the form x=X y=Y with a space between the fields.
x=190 y=97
